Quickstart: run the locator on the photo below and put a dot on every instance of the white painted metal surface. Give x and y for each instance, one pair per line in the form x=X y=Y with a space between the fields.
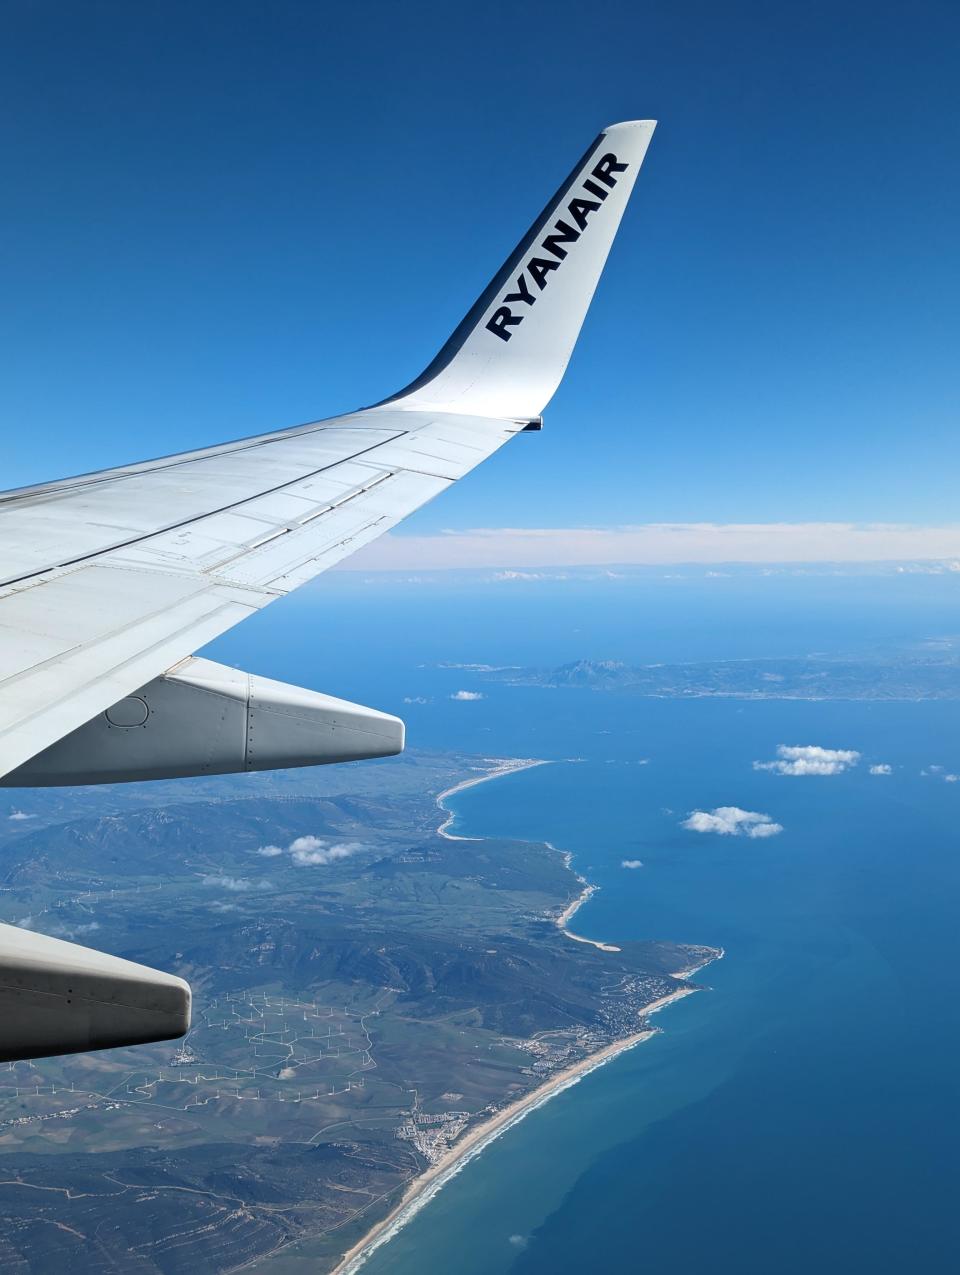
x=206 y=719
x=113 y=579
x=58 y=998
x=110 y=579
x=511 y=351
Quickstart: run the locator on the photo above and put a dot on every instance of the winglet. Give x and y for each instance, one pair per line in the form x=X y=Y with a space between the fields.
x=509 y=354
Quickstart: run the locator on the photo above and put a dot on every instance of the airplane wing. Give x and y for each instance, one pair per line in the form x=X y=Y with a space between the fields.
x=111 y=579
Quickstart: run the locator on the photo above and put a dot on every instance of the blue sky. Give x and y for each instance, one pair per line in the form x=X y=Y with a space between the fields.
x=225 y=218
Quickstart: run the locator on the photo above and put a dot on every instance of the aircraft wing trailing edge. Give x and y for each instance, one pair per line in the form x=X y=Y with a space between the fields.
x=110 y=582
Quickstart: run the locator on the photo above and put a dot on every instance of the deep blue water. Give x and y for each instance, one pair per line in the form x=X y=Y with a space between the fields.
x=804 y=1113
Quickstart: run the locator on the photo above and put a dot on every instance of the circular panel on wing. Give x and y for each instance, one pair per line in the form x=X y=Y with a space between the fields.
x=132 y=711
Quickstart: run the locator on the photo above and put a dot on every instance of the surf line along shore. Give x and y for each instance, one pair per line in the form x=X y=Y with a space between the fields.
x=502 y=766
x=422 y=1189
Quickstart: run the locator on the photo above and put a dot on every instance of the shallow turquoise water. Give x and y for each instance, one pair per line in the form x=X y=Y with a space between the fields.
x=802 y=1114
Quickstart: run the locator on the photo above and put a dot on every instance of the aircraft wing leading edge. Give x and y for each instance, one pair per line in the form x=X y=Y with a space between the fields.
x=111 y=581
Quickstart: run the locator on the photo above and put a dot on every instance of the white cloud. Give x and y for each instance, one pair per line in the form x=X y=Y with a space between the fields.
x=809 y=759
x=311 y=851
x=951 y=779
x=927 y=549
x=467 y=696
x=20 y=814
x=766 y=829
x=73 y=931
x=417 y=699
x=731 y=821
x=631 y=863
x=235 y=884
x=881 y=769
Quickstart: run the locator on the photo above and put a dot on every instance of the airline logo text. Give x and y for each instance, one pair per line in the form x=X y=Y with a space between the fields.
x=536 y=273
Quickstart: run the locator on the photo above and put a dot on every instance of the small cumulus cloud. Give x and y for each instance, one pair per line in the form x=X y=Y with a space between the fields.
x=467 y=696
x=951 y=779
x=731 y=821
x=881 y=768
x=58 y=931
x=518 y=1241
x=310 y=851
x=417 y=699
x=73 y=931
x=18 y=815
x=631 y=863
x=235 y=884
x=809 y=759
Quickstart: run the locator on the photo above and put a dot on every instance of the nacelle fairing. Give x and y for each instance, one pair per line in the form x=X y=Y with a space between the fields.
x=203 y=718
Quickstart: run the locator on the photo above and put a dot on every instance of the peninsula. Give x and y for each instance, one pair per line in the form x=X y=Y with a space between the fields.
x=377 y=999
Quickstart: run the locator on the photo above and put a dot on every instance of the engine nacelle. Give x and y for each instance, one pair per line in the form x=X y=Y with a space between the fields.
x=60 y=998
x=203 y=718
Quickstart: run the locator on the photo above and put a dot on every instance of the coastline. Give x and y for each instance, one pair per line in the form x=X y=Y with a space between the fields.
x=422 y=1189
x=425 y=1186
x=699 y=965
x=563 y=920
x=505 y=766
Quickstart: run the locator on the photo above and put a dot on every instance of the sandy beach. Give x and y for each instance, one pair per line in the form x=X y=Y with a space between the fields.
x=507 y=766
x=423 y=1188
x=563 y=920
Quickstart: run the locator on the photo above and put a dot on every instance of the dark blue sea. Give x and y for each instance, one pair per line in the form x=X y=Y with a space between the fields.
x=801 y=1114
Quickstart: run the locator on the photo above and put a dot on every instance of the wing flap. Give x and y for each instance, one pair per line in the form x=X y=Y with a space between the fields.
x=64 y=522
x=76 y=639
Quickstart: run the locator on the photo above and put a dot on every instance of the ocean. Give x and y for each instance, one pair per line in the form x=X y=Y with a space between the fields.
x=803 y=1113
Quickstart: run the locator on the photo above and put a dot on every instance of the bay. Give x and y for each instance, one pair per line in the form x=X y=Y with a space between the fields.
x=802 y=1113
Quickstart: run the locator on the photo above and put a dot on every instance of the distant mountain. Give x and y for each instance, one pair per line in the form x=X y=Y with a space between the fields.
x=902 y=676
x=595 y=673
